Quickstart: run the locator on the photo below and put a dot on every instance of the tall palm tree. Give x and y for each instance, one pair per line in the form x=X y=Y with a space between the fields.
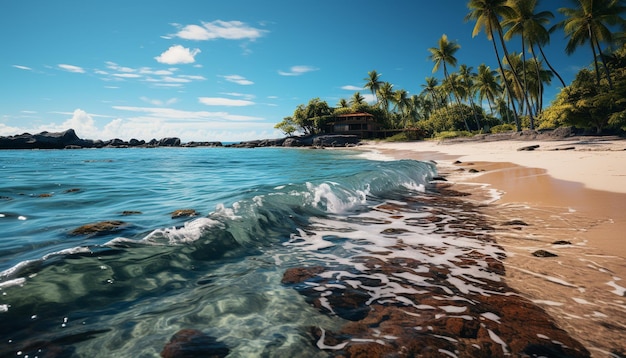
x=487 y=85
x=486 y=13
x=444 y=55
x=589 y=21
x=373 y=82
x=343 y=103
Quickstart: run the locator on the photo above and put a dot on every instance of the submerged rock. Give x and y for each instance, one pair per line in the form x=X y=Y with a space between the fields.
x=194 y=343
x=99 y=227
x=183 y=213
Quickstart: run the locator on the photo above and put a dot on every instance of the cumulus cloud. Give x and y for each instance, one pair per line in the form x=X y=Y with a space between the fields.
x=178 y=54
x=352 y=88
x=297 y=70
x=218 y=101
x=218 y=29
x=240 y=80
x=71 y=68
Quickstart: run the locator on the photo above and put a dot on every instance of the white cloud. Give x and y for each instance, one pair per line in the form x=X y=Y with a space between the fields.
x=71 y=68
x=180 y=115
x=237 y=94
x=240 y=80
x=352 y=88
x=218 y=29
x=297 y=70
x=157 y=102
x=178 y=54
x=23 y=67
x=218 y=101
x=126 y=75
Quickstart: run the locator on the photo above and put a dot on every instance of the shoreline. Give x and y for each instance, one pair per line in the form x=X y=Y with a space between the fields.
x=576 y=196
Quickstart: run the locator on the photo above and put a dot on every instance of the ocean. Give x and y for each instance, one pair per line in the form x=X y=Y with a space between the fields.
x=283 y=252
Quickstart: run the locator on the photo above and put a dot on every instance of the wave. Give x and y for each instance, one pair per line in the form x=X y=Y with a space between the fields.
x=268 y=214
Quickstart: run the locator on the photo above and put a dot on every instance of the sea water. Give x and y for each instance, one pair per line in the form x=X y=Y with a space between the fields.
x=125 y=292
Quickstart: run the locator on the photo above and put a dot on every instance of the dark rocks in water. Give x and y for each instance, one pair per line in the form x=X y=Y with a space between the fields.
x=202 y=144
x=102 y=227
x=131 y=212
x=439 y=178
x=72 y=190
x=45 y=195
x=562 y=242
x=473 y=171
x=528 y=148
x=335 y=140
x=194 y=343
x=183 y=213
x=457 y=162
x=169 y=142
x=544 y=253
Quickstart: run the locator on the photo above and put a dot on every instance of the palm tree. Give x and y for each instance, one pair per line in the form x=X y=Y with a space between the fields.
x=400 y=101
x=373 y=82
x=431 y=87
x=467 y=81
x=486 y=14
x=487 y=85
x=343 y=103
x=356 y=99
x=531 y=26
x=589 y=21
x=444 y=55
x=385 y=95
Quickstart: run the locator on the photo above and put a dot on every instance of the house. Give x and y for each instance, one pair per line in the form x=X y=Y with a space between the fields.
x=361 y=124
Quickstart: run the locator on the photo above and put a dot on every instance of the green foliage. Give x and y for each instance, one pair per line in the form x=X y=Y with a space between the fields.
x=453 y=117
x=287 y=126
x=452 y=134
x=585 y=104
x=400 y=137
x=501 y=128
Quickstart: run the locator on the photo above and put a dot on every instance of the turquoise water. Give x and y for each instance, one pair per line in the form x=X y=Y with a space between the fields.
x=126 y=292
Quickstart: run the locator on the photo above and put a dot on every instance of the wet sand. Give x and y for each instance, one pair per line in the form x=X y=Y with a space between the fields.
x=575 y=198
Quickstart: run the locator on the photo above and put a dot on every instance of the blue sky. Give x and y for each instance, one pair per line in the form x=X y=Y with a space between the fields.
x=218 y=70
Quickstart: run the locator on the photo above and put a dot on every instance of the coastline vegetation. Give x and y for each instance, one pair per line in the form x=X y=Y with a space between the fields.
x=511 y=96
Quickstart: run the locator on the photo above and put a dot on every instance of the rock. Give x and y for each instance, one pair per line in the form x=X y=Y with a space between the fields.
x=193 y=343
x=131 y=212
x=72 y=190
x=544 y=253
x=528 y=148
x=515 y=222
x=169 y=142
x=561 y=242
x=102 y=227
x=473 y=171
x=439 y=178
x=183 y=213
x=292 y=142
x=457 y=162
x=334 y=140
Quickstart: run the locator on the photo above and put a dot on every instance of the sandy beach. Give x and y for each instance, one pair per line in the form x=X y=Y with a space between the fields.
x=566 y=197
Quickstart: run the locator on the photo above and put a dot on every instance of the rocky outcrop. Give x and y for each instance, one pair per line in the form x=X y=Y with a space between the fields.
x=69 y=140
x=194 y=343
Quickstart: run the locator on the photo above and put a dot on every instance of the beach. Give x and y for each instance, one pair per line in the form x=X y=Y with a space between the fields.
x=565 y=198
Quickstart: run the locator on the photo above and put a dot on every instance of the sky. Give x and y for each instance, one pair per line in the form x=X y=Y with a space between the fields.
x=209 y=70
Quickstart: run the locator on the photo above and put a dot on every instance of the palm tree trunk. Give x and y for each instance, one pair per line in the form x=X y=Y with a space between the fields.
x=606 y=68
x=539 y=84
x=506 y=83
x=516 y=77
x=550 y=66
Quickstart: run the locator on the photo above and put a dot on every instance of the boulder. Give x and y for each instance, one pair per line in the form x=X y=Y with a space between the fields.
x=169 y=142
x=102 y=227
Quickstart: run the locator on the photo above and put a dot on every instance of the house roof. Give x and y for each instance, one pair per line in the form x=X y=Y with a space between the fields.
x=359 y=114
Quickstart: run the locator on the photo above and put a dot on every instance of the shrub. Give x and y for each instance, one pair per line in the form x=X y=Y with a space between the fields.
x=501 y=128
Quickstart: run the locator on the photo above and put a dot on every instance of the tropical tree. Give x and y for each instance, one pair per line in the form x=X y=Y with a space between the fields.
x=431 y=88
x=486 y=85
x=444 y=55
x=343 y=103
x=373 y=83
x=385 y=95
x=357 y=99
x=486 y=13
x=400 y=101
x=590 y=21
x=469 y=90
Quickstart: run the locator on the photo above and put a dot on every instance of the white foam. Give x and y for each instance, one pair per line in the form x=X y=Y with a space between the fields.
x=322 y=345
x=619 y=290
x=494 y=337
